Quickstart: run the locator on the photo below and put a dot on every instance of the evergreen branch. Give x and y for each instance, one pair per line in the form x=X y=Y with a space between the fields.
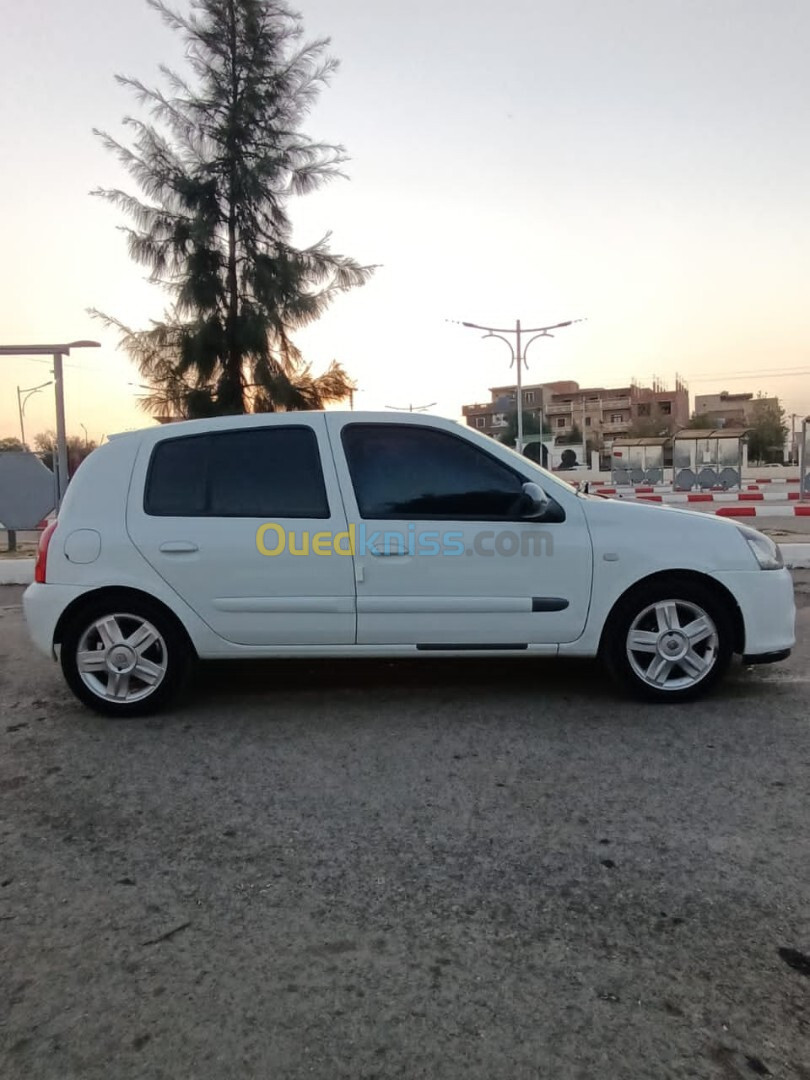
x=173 y=19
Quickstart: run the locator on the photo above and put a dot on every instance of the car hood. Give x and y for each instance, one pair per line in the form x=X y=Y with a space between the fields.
x=669 y=534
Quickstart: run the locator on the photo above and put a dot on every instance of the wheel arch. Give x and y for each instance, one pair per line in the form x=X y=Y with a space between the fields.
x=694 y=577
x=118 y=594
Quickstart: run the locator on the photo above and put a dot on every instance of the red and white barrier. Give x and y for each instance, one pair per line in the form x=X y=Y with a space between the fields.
x=763 y=511
x=722 y=497
x=682 y=497
x=778 y=480
x=628 y=491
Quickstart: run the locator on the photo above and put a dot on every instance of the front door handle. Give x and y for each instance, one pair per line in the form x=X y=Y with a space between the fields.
x=387 y=553
x=178 y=547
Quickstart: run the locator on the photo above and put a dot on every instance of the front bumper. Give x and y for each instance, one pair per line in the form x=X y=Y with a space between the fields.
x=766 y=601
x=767 y=658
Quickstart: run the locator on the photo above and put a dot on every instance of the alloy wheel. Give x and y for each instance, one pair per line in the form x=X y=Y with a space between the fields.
x=122 y=658
x=672 y=645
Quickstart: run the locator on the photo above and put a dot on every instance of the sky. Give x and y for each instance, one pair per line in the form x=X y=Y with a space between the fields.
x=640 y=164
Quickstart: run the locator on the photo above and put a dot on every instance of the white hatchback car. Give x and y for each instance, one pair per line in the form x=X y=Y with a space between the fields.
x=362 y=534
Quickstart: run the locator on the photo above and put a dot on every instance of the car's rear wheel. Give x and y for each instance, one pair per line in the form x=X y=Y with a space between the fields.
x=124 y=656
x=669 y=640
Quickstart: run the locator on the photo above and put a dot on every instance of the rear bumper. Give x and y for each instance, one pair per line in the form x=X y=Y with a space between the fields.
x=765 y=599
x=43 y=606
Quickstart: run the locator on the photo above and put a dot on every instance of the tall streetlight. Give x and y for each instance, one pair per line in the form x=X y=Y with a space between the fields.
x=58 y=352
x=22 y=398
x=518 y=351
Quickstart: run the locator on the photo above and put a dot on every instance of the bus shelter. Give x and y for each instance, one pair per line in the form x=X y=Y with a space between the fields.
x=638 y=461
x=703 y=459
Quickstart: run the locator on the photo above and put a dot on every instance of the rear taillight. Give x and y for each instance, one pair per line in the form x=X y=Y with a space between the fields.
x=41 y=565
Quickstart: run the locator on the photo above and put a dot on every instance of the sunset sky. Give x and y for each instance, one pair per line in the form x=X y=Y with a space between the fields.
x=643 y=164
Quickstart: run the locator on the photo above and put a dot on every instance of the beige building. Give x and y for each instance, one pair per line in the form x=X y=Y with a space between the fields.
x=730 y=410
x=601 y=414
x=492 y=416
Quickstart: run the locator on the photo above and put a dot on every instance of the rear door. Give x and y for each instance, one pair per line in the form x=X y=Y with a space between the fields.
x=228 y=516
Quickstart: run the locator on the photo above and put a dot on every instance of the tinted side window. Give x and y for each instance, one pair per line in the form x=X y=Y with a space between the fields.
x=265 y=472
x=405 y=471
x=272 y=472
x=176 y=481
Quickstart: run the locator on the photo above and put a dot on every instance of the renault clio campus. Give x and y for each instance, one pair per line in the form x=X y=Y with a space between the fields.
x=338 y=534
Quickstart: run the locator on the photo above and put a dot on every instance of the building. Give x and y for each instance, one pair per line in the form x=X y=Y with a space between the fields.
x=600 y=414
x=730 y=410
x=492 y=416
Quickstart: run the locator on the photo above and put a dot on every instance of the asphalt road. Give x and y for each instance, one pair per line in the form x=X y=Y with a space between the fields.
x=435 y=869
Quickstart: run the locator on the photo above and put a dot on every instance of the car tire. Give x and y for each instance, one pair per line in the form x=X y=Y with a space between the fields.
x=124 y=656
x=669 y=640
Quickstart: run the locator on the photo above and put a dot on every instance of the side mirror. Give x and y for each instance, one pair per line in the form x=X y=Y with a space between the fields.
x=534 y=503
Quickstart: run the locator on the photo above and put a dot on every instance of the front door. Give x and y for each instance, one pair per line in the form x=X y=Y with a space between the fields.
x=229 y=519
x=443 y=554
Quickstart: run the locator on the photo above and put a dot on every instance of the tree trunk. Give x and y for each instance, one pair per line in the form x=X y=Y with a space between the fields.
x=232 y=390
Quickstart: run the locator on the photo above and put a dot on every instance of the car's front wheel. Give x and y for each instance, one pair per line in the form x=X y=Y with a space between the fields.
x=669 y=640
x=123 y=657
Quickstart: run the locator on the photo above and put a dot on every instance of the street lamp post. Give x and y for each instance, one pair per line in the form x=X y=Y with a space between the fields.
x=58 y=352
x=22 y=398
x=518 y=351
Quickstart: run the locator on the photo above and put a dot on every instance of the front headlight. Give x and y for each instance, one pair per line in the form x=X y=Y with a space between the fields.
x=765 y=551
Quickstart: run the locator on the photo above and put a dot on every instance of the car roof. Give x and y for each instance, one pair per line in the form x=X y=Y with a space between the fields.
x=250 y=420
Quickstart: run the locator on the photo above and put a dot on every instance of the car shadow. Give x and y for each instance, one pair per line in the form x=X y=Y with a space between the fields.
x=456 y=673
x=460 y=679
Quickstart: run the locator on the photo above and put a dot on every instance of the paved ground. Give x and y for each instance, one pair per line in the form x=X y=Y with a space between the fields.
x=438 y=870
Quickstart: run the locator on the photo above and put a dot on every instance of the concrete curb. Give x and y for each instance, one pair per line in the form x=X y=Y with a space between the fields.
x=21 y=571
x=16 y=571
x=796 y=556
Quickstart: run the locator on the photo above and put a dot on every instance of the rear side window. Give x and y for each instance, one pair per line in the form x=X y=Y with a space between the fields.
x=264 y=472
x=177 y=478
x=404 y=471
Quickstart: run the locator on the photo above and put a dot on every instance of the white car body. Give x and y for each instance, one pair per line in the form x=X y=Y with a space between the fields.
x=233 y=601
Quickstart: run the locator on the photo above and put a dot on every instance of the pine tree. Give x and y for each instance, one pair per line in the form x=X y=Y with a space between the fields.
x=218 y=163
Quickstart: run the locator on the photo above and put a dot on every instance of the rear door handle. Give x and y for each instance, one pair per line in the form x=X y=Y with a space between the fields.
x=178 y=547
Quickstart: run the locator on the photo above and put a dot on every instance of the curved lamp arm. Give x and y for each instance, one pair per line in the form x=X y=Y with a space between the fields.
x=543 y=333
x=507 y=342
x=26 y=394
